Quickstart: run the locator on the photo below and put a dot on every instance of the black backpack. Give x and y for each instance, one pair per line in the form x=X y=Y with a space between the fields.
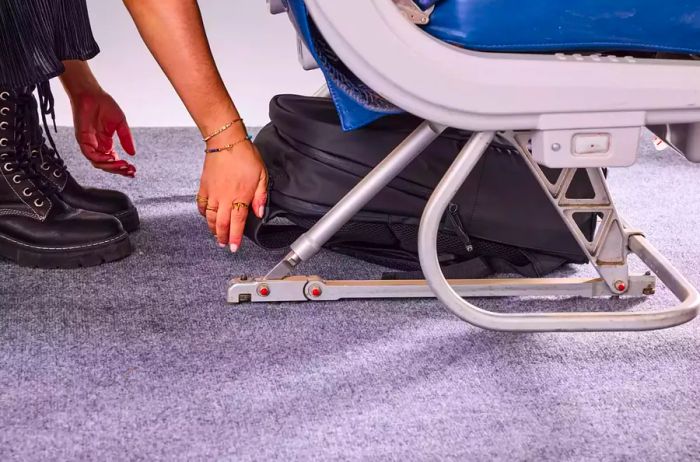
x=499 y=221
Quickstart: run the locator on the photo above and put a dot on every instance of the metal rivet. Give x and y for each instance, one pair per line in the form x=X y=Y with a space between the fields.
x=315 y=291
x=263 y=290
x=620 y=286
x=556 y=147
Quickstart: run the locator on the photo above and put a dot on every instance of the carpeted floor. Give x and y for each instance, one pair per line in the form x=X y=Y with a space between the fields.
x=143 y=359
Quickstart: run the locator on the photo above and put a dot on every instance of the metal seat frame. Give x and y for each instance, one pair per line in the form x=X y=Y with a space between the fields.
x=567 y=111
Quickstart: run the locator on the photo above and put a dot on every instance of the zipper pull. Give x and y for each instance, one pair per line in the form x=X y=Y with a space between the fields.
x=453 y=214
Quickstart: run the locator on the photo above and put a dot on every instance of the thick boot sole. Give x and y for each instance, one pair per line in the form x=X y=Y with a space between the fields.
x=65 y=257
x=129 y=219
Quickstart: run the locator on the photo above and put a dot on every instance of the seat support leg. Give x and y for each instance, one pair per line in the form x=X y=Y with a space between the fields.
x=607 y=250
x=309 y=243
x=612 y=243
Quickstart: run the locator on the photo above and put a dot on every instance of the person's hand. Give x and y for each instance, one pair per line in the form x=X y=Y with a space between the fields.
x=233 y=183
x=97 y=117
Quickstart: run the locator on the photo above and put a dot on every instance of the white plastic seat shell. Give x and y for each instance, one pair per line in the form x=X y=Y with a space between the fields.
x=498 y=91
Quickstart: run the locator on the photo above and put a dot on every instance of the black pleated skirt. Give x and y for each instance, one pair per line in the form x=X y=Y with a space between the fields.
x=36 y=35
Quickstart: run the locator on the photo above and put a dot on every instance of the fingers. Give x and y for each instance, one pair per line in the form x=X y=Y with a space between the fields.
x=118 y=167
x=202 y=202
x=227 y=223
x=237 y=225
x=210 y=215
x=105 y=141
x=107 y=161
x=223 y=223
x=125 y=138
x=88 y=145
x=260 y=196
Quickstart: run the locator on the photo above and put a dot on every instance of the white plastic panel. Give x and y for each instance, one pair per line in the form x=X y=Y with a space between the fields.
x=604 y=147
x=590 y=143
x=497 y=91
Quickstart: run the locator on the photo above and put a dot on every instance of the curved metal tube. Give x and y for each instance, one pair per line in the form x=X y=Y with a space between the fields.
x=541 y=322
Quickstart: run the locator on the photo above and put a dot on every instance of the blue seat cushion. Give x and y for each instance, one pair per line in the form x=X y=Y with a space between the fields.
x=517 y=26
x=568 y=25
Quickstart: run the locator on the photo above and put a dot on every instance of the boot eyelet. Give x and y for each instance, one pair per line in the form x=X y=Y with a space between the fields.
x=38 y=202
x=4 y=95
x=25 y=193
x=16 y=179
x=3 y=142
x=3 y=155
x=7 y=167
x=57 y=174
x=4 y=111
x=3 y=125
x=45 y=166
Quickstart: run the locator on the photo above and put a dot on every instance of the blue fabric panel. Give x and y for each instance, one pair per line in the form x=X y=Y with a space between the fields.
x=565 y=25
x=356 y=103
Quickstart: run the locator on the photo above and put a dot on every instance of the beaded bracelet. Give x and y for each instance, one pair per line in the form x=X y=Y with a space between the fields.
x=228 y=146
x=222 y=129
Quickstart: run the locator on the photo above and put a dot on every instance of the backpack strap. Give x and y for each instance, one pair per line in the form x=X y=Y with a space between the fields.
x=271 y=236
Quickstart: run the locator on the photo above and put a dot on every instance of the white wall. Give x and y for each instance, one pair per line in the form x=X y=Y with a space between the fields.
x=255 y=52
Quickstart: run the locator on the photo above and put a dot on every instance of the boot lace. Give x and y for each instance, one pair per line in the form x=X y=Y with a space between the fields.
x=49 y=153
x=17 y=162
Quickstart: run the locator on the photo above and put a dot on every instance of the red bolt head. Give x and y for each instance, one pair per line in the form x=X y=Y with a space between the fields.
x=264 y=291
x=620 y=286
x=316 y=291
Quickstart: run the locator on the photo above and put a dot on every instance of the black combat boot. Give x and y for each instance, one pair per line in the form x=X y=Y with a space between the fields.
x=37 y=228
x=49 y=164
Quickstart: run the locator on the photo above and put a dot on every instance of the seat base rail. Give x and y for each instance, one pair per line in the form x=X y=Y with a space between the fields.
x=314 y=288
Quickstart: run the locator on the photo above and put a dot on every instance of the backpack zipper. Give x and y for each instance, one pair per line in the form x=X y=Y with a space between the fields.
x=453 y=215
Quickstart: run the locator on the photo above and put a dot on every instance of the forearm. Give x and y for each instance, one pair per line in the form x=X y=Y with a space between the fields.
x=174 y=33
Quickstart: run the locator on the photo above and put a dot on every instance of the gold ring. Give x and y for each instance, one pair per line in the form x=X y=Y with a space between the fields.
x=201 y=200
x=239 y=205
x=211 y=209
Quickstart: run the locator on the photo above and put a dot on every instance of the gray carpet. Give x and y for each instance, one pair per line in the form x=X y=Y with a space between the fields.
x=143 y=360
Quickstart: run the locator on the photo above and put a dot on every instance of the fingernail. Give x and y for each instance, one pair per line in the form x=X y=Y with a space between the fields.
x=234 y=248
x=222 y=245
x=261 y=211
